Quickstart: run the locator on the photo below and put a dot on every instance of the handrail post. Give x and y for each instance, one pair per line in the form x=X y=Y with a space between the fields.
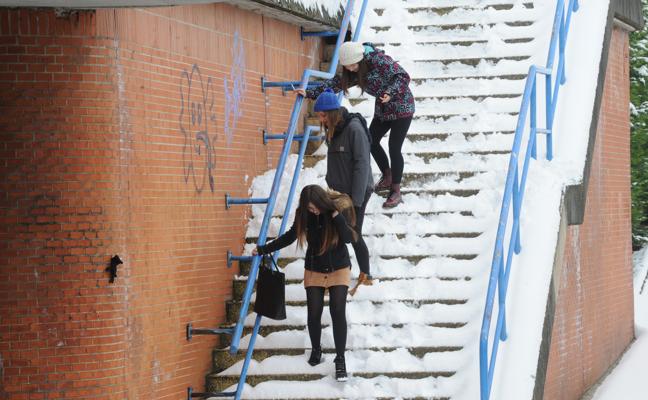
x=358 y=27
x=343 y=28
x=515 y=235
x=549 y=113
x=533 y=124
x=563 y=43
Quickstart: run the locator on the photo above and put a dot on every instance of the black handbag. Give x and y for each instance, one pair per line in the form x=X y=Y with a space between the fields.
x=271 y=290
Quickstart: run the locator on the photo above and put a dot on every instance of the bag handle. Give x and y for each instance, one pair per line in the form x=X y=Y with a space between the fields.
x=276 y=267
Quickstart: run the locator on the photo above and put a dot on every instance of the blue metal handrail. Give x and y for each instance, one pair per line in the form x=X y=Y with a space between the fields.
x=289 y=136
x=308 y=73
x=515 y=187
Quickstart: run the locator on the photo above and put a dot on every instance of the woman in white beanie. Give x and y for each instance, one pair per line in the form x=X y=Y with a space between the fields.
x=380 y=76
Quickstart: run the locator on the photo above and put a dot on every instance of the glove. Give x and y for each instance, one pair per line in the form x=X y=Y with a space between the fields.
x=363 y=279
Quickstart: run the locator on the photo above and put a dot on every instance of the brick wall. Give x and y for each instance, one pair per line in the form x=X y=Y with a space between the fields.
x=594 y=320
x=121 y=131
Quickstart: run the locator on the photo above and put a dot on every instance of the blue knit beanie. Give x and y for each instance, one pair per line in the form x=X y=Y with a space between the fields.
x=326 y=101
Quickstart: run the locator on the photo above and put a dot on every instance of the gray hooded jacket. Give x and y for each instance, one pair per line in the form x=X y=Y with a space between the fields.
x=348 y=165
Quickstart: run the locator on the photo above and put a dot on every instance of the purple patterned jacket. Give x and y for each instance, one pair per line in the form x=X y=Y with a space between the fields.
x=384 y=76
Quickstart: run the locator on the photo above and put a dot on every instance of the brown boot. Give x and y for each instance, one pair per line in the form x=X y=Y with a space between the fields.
x=394 y=197
x=384 y=184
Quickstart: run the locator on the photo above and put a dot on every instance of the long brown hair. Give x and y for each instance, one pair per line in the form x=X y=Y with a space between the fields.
x=359 y=77
x=326 y=205
x=334 y=117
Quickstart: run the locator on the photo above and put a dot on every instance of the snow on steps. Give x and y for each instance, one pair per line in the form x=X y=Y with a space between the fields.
x=414 y=333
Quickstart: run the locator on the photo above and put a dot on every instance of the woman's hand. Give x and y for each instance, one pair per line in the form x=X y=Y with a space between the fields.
x=301 y=91
x=334 y=213
x=385 y=98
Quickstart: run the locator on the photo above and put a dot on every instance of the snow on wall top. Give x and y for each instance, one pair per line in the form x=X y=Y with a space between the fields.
x=318 y=12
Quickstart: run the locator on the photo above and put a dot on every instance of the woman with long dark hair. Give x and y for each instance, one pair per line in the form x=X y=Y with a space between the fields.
x=321 y=223
x=380 y=76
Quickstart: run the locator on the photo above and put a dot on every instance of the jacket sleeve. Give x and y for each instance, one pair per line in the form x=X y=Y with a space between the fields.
x=344 y=230
x=333 y=83
x=279 y=243
x=398 y=79
x=361 y=163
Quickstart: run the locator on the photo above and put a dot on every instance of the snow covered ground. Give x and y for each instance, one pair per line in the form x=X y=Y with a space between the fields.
x=627 y=380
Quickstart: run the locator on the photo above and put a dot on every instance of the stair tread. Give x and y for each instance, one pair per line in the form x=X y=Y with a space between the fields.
x=383 y=386
x=398 y=361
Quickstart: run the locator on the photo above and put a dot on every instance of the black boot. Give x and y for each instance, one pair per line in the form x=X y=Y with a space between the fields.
x=340 y=369
x=315 y=357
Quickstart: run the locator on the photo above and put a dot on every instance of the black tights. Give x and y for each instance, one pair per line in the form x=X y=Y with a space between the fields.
x=399 y=129
x=359 y=246
x=337 y=306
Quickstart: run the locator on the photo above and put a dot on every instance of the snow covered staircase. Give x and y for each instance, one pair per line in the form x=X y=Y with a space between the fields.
x=414 y=334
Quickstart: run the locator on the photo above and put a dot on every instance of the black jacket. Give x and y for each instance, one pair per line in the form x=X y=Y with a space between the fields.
x=332 y=259
x=348 y=162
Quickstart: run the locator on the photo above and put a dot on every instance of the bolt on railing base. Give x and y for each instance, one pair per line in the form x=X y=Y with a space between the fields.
x=229 y=200
x=305 y=34
x=282 y=136
x=231 y=258
x=206 y=331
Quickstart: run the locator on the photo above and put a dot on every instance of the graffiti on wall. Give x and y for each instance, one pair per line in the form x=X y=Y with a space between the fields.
x=197 y=115
x=234 y=88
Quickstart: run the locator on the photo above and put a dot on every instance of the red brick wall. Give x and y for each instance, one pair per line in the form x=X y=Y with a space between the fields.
x=594 y=319
x=99 y=156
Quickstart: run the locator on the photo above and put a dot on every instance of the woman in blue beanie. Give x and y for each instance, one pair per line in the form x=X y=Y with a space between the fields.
x=380 y=76
x=348 y=166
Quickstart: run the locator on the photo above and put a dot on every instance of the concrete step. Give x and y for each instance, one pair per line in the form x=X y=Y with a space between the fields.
x=363 y=336
x=222 y=359
x=444 y=11
x=470 y=61
x=440 y=224
x=446 y=116
x=434 y=170
x=392 y=313
x=440 y=362
x=425 y=137
x=406 y=266
x=442 y=27
x=239 y=285
x=400 y=236
x=442 y=51
x=323 y=386
x=471 y=80
x=420 y=97
x=467 y=42
x=478 y=98
x=233 y=307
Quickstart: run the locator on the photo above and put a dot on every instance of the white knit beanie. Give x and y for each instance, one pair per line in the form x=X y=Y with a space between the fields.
x=351 y=53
